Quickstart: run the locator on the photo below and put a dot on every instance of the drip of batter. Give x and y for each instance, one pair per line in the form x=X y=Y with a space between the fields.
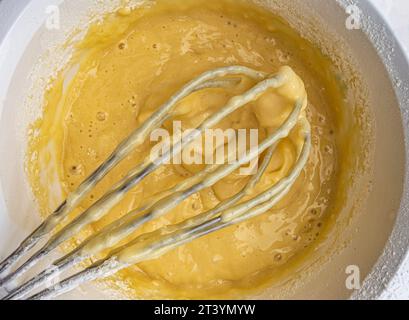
x=130 y=64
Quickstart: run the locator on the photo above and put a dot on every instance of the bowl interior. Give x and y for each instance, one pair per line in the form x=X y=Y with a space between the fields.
x=362 y=242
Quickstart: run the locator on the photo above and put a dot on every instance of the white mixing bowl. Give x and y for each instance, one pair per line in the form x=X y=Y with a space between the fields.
x=379 y=240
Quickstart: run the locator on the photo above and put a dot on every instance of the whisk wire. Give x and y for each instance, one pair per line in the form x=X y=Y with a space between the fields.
x=138 y=251
x=149 y=246
x=123 y=149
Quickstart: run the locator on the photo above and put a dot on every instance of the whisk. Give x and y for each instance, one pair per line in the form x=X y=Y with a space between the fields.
x=154 y=244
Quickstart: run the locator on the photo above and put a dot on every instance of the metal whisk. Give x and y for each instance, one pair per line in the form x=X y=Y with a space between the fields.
x=152 y=245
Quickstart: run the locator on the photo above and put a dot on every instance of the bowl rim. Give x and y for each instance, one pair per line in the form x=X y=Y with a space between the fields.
x=391 y=267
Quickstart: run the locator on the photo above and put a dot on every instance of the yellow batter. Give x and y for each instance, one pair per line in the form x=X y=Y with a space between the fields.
x=129 y=65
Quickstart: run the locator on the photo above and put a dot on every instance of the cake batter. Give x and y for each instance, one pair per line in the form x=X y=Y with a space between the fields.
x=130 y=64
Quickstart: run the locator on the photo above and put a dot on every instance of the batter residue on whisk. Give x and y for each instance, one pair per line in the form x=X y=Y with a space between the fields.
x=129 y=65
